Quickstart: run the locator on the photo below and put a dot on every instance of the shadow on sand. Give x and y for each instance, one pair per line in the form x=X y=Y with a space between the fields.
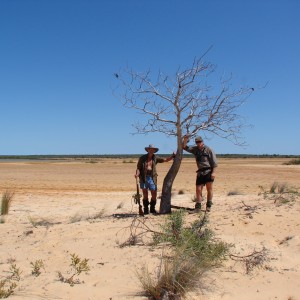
x=125 y=215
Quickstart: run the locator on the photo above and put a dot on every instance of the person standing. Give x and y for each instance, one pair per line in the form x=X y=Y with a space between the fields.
x=146 y=171
x=207 y=163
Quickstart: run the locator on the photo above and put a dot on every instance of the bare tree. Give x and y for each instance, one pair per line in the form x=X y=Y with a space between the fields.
x=184 y=104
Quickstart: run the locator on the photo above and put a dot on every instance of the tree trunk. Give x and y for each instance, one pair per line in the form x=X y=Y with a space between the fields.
x=165 y=203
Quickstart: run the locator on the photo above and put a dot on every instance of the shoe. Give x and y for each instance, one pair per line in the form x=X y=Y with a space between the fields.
x=209 y=205
x=197 y=207
x=146 y=207
x=152 y=207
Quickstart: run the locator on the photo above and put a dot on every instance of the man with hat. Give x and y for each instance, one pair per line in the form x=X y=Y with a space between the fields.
x=207 y=163
x=146 y=171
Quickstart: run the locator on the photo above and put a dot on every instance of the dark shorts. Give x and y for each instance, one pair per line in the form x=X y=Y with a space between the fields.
x=149 y=184
x=203 y=179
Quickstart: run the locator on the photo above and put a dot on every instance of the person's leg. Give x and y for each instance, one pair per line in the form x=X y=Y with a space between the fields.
x=145 y=201
x=153 y=201
x=209 y=189
x=199 y=197
x=153 y=189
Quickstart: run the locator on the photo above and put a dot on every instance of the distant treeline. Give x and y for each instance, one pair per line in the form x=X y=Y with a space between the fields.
x=128 y=156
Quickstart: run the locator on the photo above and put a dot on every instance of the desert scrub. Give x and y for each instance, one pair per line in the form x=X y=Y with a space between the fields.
x=15 y=272
x=128 y=161
x=8 y=285
x=174 y=278
x=280 y=193
x=7 y=198
x=293 y=162
x=192 y=251
x=6 y=288
x=78 y=266
x=36 y=267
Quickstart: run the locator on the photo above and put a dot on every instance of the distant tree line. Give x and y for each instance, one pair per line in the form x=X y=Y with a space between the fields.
x=128 y=156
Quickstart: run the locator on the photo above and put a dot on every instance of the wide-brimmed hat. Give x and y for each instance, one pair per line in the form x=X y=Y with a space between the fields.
x=151 y=147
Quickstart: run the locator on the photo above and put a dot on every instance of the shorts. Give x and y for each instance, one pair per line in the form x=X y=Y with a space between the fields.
x=203 y=179
x=149 y=184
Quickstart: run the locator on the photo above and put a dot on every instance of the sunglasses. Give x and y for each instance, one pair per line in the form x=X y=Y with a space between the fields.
x=198 y=142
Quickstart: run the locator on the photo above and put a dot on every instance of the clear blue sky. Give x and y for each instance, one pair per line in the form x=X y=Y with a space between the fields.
x=57 y=59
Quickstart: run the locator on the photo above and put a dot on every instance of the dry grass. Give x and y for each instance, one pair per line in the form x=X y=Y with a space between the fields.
x=175 y=277
x=280 y=193
x=7 y=198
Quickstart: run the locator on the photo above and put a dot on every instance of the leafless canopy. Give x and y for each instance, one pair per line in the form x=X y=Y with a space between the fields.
x=185 y=103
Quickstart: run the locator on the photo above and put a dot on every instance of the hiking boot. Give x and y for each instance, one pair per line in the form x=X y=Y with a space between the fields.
x=152 y=206
x=197 y=207
x=208 y=205
x=146 y=207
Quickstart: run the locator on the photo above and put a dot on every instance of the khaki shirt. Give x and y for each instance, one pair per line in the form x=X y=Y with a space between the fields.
x=206 y=158
x=142 y=167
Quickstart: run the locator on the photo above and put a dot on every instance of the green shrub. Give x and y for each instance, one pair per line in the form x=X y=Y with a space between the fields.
x=6 y=288
x=193 y=251
x=36 y=267
x=78 y=266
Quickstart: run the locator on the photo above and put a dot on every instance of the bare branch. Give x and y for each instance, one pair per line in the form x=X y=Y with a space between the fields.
x=186 y=105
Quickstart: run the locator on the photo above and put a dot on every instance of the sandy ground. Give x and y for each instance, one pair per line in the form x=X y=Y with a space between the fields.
x=85 y=208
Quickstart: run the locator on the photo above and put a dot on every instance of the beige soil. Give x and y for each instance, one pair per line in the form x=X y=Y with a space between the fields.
x=55 y=202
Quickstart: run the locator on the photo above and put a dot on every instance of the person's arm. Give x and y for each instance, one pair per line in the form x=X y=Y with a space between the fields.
x=170 y=157
x=213 y=163
x=185 y=146
x=185 y=141
x=213 y=173
x=162 y=160
x=137 y=171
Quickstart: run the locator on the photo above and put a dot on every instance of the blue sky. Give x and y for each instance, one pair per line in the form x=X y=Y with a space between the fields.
x=57 y=59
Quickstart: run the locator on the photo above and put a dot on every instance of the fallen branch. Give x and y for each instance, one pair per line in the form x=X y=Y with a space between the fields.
x=254 y=260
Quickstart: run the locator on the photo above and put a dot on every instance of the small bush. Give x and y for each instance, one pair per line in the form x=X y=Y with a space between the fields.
x=293 y=162
x=174 y=278
x=128 y=162
x=15 y=272
x=8 y=285
x=78 y=266
x=279 y=192
x=180 y=192
x=36 y=267
x=6 y=288
x=6 y=201
x=193 y=252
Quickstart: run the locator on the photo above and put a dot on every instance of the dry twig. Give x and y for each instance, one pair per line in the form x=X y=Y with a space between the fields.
x=254 y=260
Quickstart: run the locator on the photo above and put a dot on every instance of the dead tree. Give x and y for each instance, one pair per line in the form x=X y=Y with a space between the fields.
x=183 y=104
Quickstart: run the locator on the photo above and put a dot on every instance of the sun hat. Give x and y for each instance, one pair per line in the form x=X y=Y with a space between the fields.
x=151 y=147
x=198 y=139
